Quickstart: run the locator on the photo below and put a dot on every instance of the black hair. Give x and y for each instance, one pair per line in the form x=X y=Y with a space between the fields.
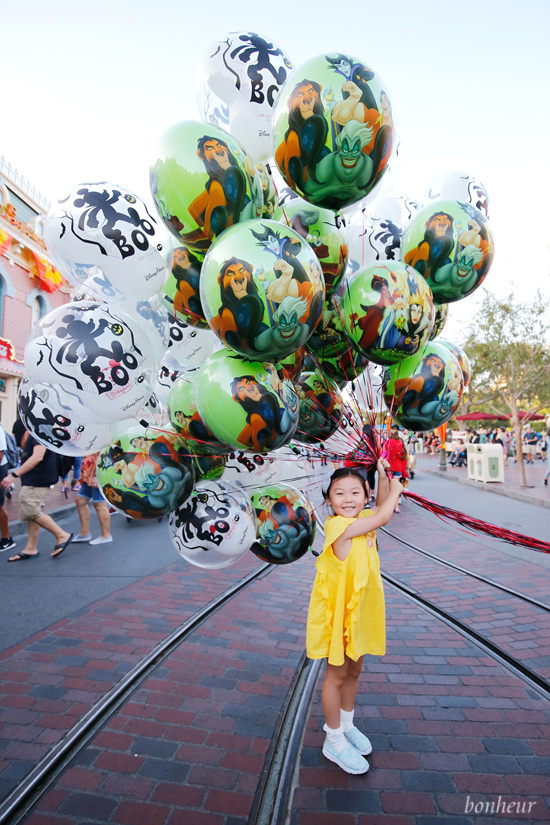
x=344 y=472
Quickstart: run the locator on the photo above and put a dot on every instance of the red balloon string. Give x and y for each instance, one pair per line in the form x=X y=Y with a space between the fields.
x=476 y=525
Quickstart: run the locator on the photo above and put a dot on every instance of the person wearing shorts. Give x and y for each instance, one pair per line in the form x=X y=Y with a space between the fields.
x=6 y=542
x=89 y=491
x=38 y=471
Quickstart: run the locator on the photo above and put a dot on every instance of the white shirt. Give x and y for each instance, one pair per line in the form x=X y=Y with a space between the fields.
x=3 y=446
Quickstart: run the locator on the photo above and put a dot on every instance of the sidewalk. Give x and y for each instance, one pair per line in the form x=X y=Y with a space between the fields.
x=535 y=493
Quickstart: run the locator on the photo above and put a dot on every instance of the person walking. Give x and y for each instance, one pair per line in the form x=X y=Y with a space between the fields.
x=547 y=474
x=89 y=491
x=6 y=542
x=37 y=472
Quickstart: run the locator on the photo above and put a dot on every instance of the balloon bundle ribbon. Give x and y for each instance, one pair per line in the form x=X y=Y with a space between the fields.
x=476 y=525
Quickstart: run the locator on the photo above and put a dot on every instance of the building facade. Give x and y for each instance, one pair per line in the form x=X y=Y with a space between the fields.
x=29 y=285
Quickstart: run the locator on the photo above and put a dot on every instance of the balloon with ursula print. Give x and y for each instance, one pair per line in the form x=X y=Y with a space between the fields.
x=388 y=312
x=215 y=526
x=203 y=181
x=248 y=404
x=324 y=232
x=333 y=132
x=461 y=357
x=106 y=242
x=286 y=524
x=424 y=392
x=451 y=244
x=262 y=290
x=97 y=356
x=146 y=473
x=320 y=407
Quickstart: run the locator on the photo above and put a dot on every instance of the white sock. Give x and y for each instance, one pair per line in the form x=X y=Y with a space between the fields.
x=335 y=737
x=346 y=719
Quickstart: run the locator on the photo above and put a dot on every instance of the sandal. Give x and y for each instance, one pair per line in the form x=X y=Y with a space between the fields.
x=23 y=556
x=58 y=549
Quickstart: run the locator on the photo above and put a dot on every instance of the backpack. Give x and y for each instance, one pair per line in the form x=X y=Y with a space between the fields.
x=64 y=465
x=13 y=453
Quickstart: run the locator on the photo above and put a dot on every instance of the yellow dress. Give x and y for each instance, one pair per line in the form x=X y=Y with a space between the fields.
x=346 y=610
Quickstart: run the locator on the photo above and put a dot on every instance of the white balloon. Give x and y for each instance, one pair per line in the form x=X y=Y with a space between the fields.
x=106 y=241
x=215 y=526
x=189 y=346
x=460 y=186
x=153 y=316
x=237 y=84
x=49 y=417
x=97 y=358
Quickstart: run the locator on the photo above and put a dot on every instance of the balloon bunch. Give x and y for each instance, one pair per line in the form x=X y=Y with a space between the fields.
x=268 y=288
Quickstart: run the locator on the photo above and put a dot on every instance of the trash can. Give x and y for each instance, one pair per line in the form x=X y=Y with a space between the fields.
x=485 y=462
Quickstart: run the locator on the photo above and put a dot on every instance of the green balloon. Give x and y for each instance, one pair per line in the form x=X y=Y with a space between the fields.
x=424 y=391
x=441 y=316
x=146 y=474
x=203 y=182
x=186 y=420
x=285 y=524
x=262 y=290
x=388 y=312
x=320 y=407
x=181 y=289
x=248 y=404
x=324 y=232
x=451 y=244
x=333 y=132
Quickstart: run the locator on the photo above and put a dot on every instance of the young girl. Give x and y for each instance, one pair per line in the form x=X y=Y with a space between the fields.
x=346 y=616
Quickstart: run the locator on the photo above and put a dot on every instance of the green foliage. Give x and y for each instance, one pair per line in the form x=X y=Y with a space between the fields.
x=508 y=347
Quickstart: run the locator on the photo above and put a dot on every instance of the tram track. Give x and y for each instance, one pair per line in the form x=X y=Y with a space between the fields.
x=273 y=797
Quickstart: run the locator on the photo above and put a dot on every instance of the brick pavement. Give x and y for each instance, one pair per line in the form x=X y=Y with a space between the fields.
x=445 y=720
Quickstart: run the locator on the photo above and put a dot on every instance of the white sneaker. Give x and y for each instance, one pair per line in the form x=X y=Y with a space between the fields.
x=87 y=537
x=348 y=758
x=359 y=741
x=102 y=540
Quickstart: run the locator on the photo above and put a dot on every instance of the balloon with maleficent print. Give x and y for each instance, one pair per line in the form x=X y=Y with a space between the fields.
x=388 y=312
x=250 y=405
x=324 y=232
x=333 y=130
x=146 y=474
x=95 y=355
x=329 y=349
x=451 y=244
x=285 y=523
x=262 y=290
x=424 y=391
x=186 y=420
x=441 y=316
x=215 y=526
x=203 y=181
x=106 y=242
x=320 y=407
x=461 y=357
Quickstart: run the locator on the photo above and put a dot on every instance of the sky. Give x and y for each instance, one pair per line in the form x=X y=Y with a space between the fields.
x=88 y=89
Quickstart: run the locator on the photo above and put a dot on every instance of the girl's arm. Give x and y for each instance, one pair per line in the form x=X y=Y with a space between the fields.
x=383 y=482
x=362 y=526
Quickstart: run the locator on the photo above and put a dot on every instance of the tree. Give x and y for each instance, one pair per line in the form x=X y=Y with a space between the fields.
x=507 y=344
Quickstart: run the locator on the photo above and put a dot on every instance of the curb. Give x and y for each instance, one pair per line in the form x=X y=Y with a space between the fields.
x=19 y=528
x=490 y=488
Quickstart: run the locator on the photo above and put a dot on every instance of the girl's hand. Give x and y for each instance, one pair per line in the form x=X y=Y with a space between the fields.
x=395 y=485
x=382 y=465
